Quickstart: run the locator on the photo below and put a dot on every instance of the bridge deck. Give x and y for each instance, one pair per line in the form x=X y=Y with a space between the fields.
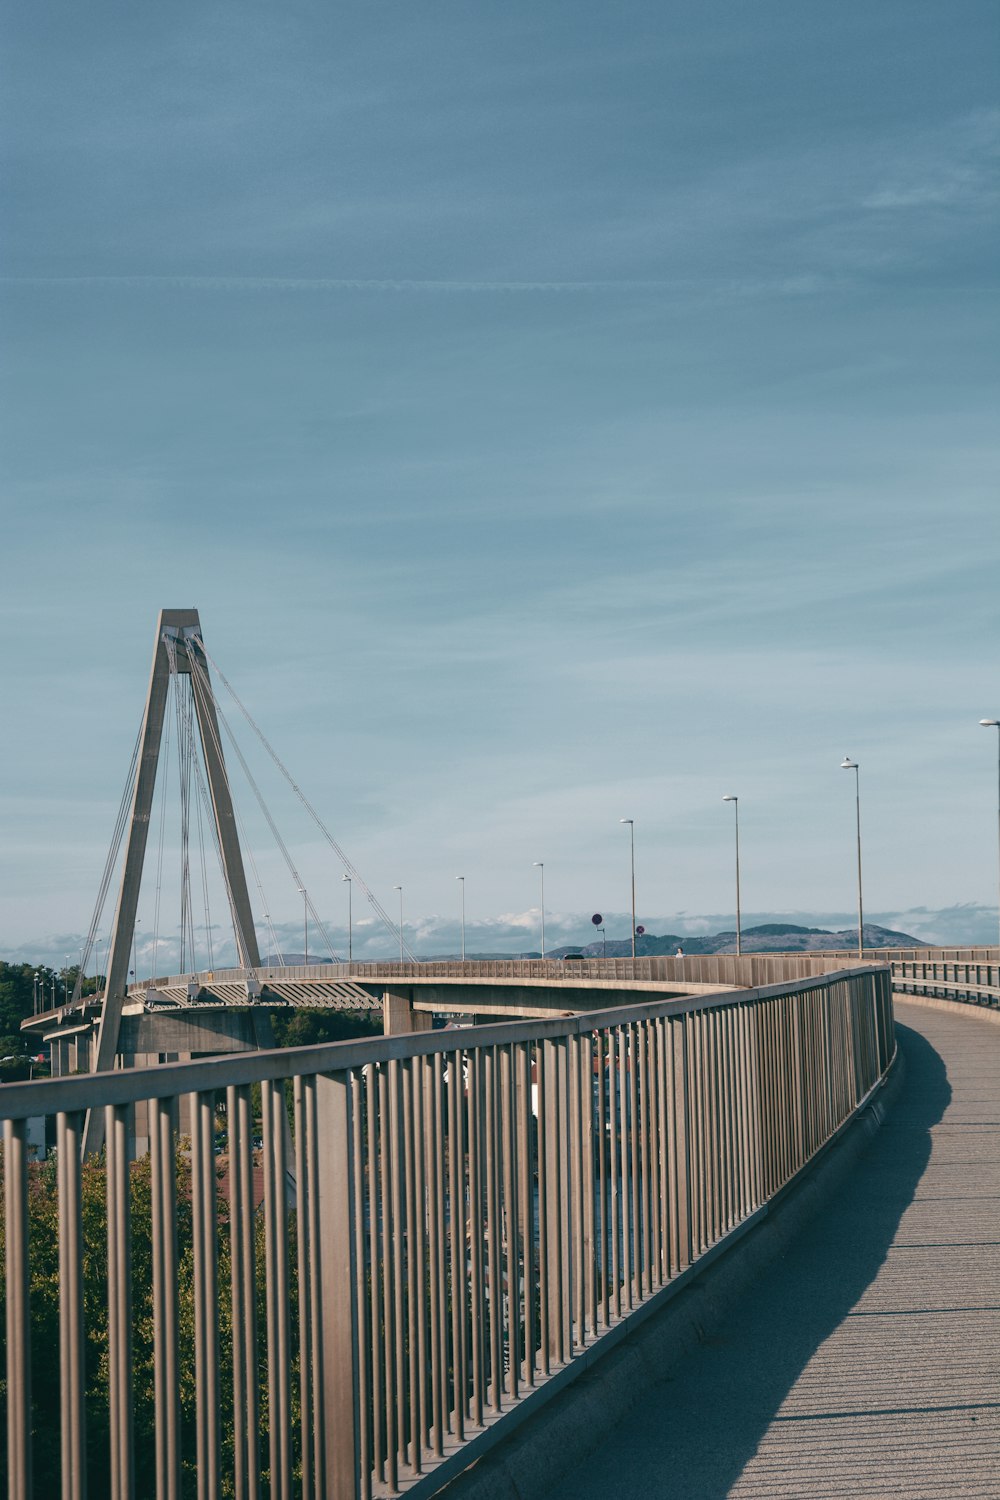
x=867 y=1361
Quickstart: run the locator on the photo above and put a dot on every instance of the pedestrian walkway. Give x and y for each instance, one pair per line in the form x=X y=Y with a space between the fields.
x=866 y=1361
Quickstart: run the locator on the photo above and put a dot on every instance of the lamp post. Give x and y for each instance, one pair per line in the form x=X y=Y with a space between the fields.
x=462 y=879
x=847 y=764
x=399 y=888
x=631 y=830
x=539 y=865
x=350 y=923
x=267 y=925
x=739 y=934
x=604 y=940
x=995 y=724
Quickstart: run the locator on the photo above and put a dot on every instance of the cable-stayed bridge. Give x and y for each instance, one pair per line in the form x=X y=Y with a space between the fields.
x=355 y=1270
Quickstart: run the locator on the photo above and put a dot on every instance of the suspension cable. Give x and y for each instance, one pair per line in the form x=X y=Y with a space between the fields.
x=109 y=865
x=248 y=851
x=182 y=704
x=348 y=866
x=245 y=846
x=242 y=942
x=205 y=685
x=163 y=814
x=204 y=864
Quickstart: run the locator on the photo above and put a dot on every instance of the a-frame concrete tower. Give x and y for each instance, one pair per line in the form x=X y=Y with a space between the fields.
x=178 y=647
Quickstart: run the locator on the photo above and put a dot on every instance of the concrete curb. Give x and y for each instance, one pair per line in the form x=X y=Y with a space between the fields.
x=579 y=1419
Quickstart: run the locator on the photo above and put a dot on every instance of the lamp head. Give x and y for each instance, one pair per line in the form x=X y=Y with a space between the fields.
x=626 y=820
x=729 y=798
x=537 y=864
x=847 y=764
x=990 y=723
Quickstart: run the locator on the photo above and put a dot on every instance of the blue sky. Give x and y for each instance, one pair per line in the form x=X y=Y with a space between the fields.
x=557 y=412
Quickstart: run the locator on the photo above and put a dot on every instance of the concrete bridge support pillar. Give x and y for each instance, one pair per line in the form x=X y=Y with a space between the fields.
x=398 y=1015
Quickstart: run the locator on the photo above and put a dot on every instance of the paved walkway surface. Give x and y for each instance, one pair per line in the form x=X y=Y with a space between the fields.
x=866 y=1362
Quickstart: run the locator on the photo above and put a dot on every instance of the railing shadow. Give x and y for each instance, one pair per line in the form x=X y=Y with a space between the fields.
x=691 y=1435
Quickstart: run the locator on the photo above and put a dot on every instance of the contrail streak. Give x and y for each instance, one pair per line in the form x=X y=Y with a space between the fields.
x=332 y=284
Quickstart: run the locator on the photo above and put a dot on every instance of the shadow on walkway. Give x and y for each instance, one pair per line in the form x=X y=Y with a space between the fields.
x=691 y=1435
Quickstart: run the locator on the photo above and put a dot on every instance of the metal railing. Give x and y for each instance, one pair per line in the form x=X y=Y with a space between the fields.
x=971 y=982
x=466 y=1214
x=702 y=968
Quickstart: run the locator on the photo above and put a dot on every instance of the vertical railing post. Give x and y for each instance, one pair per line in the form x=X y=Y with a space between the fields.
x=18 y=1311
x=119 y=1301
x=553 y=1207
x=336 y=1283
x=682 y=1141
x=72 y=1377
x=204 y=1223
x=274 y=1125
x=163 y=1228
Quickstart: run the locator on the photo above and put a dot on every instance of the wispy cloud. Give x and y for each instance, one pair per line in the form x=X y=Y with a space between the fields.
x=799 y=285
x=951 y=168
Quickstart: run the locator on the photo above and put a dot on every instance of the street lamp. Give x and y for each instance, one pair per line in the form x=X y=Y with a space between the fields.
x=631 y=831
x=739 y=935
x=462 y=879
x=350 y=899
x=539 y=865
x=399 y=888
x=847 y=764
x=995 y=724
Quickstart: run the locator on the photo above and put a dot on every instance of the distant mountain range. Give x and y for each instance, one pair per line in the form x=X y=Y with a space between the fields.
x=771 y=937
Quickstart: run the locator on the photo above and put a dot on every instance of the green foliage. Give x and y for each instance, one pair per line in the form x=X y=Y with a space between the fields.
x=308 y=1028
x=18 y=989
x=43 y=1210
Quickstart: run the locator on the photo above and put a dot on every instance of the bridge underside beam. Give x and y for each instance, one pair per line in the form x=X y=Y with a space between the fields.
x=205 y=1031
x=527 y=1002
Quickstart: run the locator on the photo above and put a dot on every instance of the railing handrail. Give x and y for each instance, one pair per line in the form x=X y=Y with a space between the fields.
x=21 y=1101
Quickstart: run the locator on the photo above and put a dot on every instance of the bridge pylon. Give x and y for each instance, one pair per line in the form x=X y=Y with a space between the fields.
x=177 y=648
